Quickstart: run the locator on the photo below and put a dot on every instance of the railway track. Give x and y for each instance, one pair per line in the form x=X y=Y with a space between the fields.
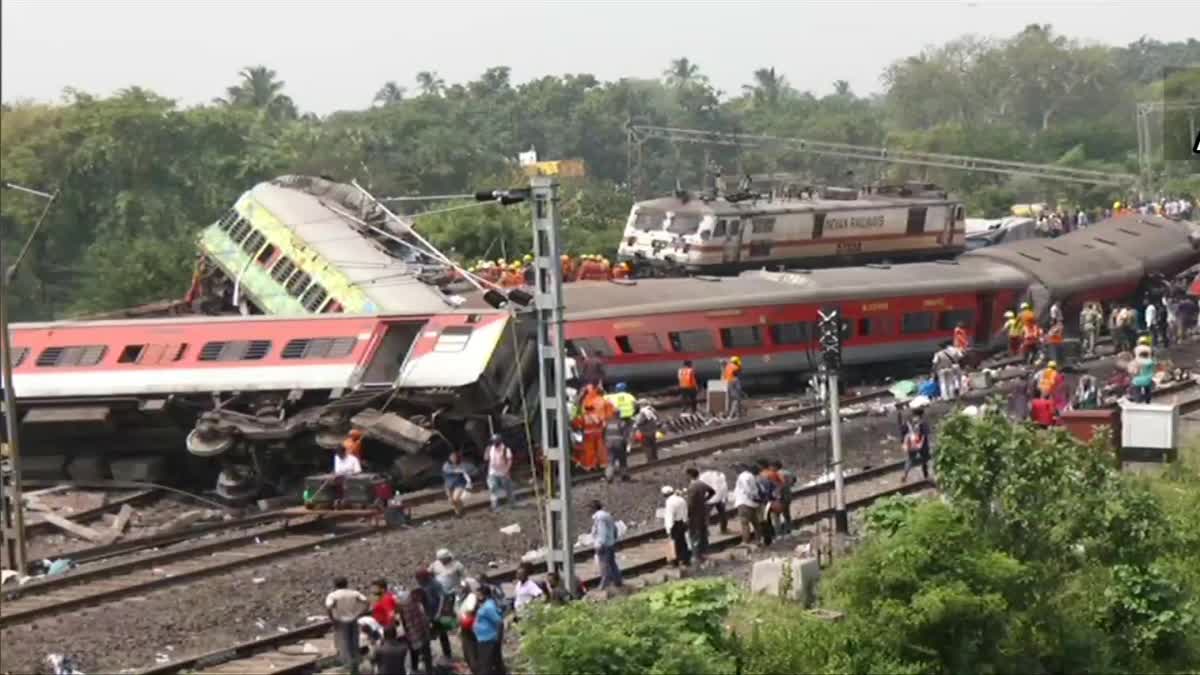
x=641 y=555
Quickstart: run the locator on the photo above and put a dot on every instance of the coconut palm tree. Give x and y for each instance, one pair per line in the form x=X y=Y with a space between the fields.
x=261 y=90
x=429 y=83
x=389 y=94
x=683 y=72
x=768 y=87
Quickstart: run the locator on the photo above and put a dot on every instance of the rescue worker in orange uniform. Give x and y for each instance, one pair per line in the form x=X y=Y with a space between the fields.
x=1031 y=338
x=621 y=271
x=733 y=386
x=513 y=276
x=961 y=341
x=1027 y=316
x=591 y=454
x=568 y=268
x=591 y=395
x=353 y=443
x=592 y=270
x=688 y=388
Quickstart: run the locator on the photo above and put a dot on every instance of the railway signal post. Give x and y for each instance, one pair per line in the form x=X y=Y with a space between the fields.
x=552 y=376
x=830 y=327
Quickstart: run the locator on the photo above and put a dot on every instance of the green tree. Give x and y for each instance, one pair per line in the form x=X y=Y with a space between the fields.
x=260 y=89
x=389 y=94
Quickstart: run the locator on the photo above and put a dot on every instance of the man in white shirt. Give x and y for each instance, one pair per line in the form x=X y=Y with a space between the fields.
x=720 y=485
x=675 y=516
x=499 y=479
x=527 y=590
x=745 y=500
x=345 y=464
x=344 y=606
x=448 y=571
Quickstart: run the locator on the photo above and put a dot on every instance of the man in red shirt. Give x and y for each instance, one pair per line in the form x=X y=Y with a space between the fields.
x=1042 y=412
x=384 y=609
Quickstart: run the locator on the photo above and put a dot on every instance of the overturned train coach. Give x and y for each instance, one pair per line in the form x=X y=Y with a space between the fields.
x=256 y=397
x=645 y=328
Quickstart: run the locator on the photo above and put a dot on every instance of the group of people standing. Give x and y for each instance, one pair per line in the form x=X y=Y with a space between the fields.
x=610 y=425
x=400 y=623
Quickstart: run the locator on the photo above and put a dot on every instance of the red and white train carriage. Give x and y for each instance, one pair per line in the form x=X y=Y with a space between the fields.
x=275 y=384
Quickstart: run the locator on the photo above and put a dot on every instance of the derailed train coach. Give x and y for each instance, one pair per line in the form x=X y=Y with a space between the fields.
x=263 y=399
x=645 y=328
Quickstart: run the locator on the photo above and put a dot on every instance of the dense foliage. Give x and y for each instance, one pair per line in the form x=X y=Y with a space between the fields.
x=139 y=174
x=1041 y=558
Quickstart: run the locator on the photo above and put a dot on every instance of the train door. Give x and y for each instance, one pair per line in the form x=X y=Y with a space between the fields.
x=983 y=323
x=733 y=240
x=954 y=213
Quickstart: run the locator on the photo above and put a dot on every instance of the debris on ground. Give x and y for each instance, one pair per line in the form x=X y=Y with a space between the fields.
x=510 y=530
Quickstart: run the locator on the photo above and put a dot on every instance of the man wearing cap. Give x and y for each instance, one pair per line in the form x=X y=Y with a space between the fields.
x=446 y=570
x=675 y=519
x=1012 y=328
x=499 y=479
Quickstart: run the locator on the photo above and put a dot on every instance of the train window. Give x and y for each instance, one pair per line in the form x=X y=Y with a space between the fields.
x=453 y=339
x=790 y=333
x=735 y=226
x=762 y=225
x=648 y=221
x=131 y=354
x=916 y=220
x=267 y=255
x=646 y=343
x=18 y=355
x=741 y=337
x=760 y=247
x=917 y=322
x=684 y=224
x=296 y=285
x=253 y=242
x=719 y=229
x=866 y=327
x=692 y=341
x=318 y=348
x=818 y=225
x=240 y=350
x=283 y=269
x=55 y=357
x=240 y=229
x=314 y=297
x=949 y=319
x=591 y=346
x=227 y=220
x=959 y=214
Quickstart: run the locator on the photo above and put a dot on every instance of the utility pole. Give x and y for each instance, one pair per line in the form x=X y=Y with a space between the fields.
x=12 y=507
x=548 y=301
x=831 y=325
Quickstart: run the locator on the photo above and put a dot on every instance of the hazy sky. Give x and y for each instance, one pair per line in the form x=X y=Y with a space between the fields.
x=335 y=55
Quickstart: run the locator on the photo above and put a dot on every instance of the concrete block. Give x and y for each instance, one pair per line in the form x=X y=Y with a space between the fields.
x=143 y=468
x=767 y=577
x=88 y=468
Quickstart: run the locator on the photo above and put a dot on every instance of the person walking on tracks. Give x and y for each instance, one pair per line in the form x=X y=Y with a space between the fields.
x=689 y=389
x=733 y=387
x=604 y=539
x=916 y=444
x=344 y=606
x=499 y=478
